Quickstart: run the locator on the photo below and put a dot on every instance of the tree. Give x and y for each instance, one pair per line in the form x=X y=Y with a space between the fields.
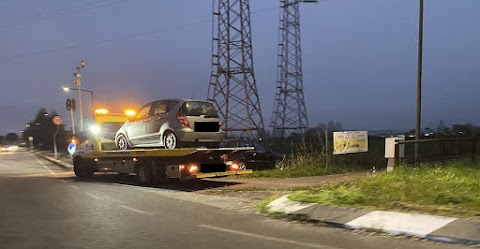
x=441 y=127
x=42 y=130
x=462 y=129
x=11 y=138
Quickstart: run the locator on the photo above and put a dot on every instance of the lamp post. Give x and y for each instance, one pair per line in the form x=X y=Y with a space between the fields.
x=78 y=82
x=67 y=89
x=419 y=78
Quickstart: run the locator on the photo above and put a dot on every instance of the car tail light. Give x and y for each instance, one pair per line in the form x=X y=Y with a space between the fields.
x=192 y=168
x=234 y=166
x=182 y=118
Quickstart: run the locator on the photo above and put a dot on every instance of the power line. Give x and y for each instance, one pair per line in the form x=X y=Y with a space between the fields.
x=122 y=38
x=60 y=12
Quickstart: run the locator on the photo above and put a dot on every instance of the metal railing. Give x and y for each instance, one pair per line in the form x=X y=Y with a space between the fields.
x=440 y=152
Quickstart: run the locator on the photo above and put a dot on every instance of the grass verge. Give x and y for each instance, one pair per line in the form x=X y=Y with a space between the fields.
x=451 y=190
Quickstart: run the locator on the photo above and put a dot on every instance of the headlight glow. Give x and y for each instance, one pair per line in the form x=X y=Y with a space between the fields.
x=95 y=129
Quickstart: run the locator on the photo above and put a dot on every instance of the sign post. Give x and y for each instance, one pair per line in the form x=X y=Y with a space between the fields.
x=71 y=148
x=71 y=105
x=30 y=140
x=57 y=120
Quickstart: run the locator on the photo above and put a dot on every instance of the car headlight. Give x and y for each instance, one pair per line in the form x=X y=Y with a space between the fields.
x=95 y=129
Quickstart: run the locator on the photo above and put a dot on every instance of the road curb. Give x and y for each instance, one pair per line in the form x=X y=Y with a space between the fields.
x=55 y=161
x=431 y=227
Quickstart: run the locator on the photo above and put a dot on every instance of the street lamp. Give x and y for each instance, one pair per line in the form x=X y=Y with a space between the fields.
x=67 y=89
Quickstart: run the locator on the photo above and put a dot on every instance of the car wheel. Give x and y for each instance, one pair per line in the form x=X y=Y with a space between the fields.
x=122 y=142
x=170 y=140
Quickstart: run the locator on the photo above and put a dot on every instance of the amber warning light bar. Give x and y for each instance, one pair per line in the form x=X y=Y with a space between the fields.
x=104 y=111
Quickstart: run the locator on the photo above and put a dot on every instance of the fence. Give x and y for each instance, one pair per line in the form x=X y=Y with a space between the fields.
x=441 y=149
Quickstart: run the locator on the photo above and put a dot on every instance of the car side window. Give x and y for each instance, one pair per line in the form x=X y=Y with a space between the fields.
x=159 y=108
x=171 y=104
x=143 y=113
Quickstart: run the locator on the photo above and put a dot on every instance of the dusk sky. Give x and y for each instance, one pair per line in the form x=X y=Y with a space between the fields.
x=359 y=57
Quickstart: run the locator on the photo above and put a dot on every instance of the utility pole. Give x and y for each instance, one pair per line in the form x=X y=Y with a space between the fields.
x=232 y=87
x=78 y=82
x=419 y=79
x=289 y=111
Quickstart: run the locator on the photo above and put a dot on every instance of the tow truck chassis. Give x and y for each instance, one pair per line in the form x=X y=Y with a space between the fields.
x=156 y=165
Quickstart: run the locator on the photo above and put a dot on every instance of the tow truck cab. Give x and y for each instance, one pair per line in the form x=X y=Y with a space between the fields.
x=104 y=125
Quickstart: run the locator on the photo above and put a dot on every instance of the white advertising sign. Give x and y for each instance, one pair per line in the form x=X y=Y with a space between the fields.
x=350 y=142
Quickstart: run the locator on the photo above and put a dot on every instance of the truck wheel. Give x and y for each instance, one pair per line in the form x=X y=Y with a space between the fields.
x=82 y=168
x=170 y=140
x=145 y=174
x=122 y=142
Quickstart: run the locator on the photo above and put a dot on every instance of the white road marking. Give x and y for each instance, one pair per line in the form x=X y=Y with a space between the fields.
x=45 y=166
x=264 y=237
x=400 y=223
x=94 y=196
x=285 y=205
x=74 y=187
x=64 y=181
x=135 y=210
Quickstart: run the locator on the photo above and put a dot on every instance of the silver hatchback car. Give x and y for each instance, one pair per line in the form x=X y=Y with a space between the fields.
x=172 y=123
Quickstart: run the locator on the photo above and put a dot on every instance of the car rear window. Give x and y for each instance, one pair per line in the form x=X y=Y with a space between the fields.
x=197 y=108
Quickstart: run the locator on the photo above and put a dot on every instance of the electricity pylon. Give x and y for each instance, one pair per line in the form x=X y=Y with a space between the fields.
x=289 y=111
x=232 y=87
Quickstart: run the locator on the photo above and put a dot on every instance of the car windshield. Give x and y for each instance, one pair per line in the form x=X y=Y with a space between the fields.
x=110 y=127
x=197 y=108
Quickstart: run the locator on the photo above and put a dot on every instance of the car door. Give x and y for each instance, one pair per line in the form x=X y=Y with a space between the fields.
x=157 y=117
x=136 y=129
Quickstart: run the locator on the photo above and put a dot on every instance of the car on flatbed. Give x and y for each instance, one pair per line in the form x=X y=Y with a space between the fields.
x=172 y=123
x=97 y=153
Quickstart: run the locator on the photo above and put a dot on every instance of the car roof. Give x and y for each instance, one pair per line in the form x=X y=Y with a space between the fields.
x=178 y=99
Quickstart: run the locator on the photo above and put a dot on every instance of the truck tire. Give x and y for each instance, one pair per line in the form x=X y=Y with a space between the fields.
x=145 y=174
x=83 y=168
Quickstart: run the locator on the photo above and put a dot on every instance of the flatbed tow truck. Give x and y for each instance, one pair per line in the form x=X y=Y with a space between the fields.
x=97 y=154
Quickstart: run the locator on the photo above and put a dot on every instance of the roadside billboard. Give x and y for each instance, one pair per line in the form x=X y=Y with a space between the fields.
x=350 y=142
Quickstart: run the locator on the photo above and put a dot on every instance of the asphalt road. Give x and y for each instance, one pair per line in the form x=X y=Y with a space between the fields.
x=43 y=206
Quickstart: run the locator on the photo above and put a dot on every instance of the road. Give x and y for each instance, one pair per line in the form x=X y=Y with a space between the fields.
x=43 y=206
